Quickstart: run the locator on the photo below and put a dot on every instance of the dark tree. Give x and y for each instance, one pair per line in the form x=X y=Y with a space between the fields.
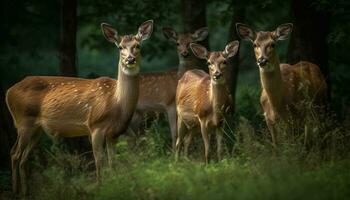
x=68 y=38
x=309 y=38
x=68 y=60
x=238 y=13
x=193 y=14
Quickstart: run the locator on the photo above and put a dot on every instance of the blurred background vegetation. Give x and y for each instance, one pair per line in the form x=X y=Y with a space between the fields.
x=63 y=37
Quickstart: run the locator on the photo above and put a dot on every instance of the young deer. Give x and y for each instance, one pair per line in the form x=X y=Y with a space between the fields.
x=281 y=83
x=187 y=60
x=158 y=90
x=72 y=107
x=202 y=99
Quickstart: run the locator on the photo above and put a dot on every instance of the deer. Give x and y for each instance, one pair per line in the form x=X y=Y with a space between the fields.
x=203 y=99
x=283 y=85
x=158 y=89
x=71 y=107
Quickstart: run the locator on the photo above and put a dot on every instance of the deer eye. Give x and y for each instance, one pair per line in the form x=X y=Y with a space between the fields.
x=208 y=63
x=255 y=45
x=177 y=43
x=225 y=62
x=120 y=47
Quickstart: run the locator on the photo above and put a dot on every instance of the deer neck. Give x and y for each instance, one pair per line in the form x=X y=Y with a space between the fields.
x=127 y=92
x=218 y=95
x=189 y=63
x=272 y=83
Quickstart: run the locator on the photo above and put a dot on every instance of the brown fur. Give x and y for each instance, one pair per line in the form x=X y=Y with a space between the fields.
x=196 y=97
x=202 y=100
x=71 y=107
x=284 y=86
x=158 y=89
x=46 y=102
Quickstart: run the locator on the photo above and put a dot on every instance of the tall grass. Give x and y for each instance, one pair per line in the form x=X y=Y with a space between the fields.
x=252 y=169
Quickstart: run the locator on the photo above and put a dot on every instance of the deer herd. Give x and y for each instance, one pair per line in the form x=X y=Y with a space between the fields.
x=194 y=100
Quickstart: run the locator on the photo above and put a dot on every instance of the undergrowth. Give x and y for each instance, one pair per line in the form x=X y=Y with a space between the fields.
x=252 y=169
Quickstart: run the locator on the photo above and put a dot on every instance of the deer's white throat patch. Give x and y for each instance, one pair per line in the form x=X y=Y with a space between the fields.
x=131 y=71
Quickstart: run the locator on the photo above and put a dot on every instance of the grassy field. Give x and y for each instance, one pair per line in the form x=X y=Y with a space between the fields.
x=252 y=169
x=135 y=177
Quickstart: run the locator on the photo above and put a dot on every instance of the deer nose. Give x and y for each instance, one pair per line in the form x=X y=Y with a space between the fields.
x=185 y=54
x=130 y=60
x=262 y=61
x=217 y=75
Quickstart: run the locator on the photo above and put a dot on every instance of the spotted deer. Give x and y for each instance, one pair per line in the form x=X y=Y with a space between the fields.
x=283 y=85
x=158 y=89
x=71 y=107
x=202 y=99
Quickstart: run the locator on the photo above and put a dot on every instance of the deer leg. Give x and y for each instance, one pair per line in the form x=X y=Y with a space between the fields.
x=19 y=154
x=219 y=135
x=273 y=132
x=110 y=151
x=15 y=156
x=187 y=142
x=136 y=121
x=133 y=129
x=171 y=111
x=30 y=141
x=205 y=137
x=181 y=129
x=98 y=150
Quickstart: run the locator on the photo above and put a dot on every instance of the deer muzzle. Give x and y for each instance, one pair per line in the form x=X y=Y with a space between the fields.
x=130 y=60
x=217 y=75
x=262 y=62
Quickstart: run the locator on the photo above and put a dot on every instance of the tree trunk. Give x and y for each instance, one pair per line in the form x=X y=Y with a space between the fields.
x=68 y=62
x=309 y=38
x=233 y=63
x=68 y=38
x=194 y=16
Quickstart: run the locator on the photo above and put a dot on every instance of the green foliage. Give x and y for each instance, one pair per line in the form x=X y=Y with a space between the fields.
x=255 y=171
x=66 y=178
x=30 y=36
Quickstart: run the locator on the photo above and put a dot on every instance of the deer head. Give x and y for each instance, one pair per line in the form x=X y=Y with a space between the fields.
x=216 y=60
x=264 y=41
x=183 y=41
x=129 y=45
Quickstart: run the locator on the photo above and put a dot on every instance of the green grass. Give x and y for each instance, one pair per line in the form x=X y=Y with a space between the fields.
x=252 y=169
x=137 y=176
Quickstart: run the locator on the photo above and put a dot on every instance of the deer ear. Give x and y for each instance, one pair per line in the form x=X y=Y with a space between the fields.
x=170 y=34
x=245 y=32
x=199 y=51
x=145 y=30
x=200 y=34
x=282 y=31
x=231 y=49
x=110 y=33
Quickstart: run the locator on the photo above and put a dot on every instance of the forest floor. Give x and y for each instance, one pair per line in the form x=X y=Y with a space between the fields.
x=251 y=169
